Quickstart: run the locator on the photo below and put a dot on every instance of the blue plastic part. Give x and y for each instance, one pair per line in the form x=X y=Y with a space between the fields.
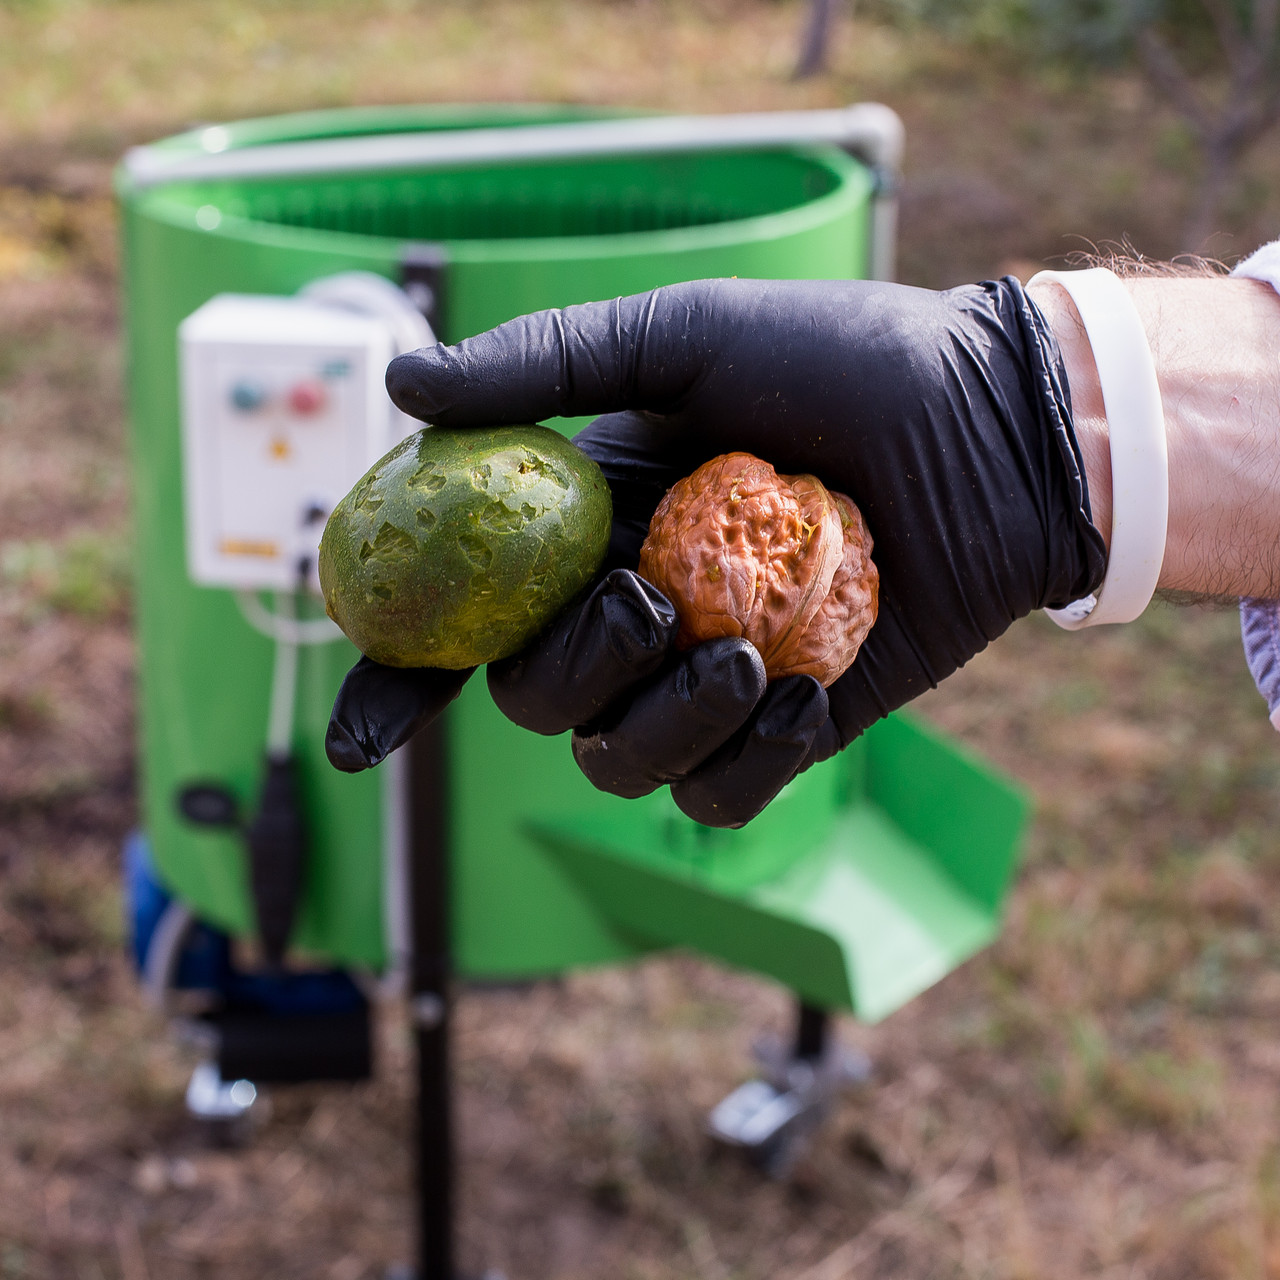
x=205 y=963
x=145 y=899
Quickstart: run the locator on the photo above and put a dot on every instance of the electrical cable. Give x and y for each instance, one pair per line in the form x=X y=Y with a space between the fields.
x=284 y=680
x=164 y=953
x=368 y=294
x=292 y=630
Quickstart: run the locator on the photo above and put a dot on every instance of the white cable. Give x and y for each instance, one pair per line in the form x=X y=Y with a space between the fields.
x=284 y=682
x=368 y=294
x=164 y=952
x=303 y=631
x=1139 y=453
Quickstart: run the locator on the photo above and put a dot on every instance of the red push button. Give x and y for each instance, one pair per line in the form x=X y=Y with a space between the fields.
x=307 y=398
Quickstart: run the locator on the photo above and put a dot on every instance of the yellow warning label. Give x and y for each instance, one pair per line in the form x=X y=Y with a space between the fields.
x=248 y=547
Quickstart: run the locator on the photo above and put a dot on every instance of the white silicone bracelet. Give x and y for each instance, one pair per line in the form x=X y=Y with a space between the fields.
x=1139 y=457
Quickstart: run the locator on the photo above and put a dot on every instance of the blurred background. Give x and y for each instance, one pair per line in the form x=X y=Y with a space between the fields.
x=1096 y=1095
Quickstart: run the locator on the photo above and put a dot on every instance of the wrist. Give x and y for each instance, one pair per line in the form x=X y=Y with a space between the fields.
x=1215 y=343
x=1139 y=463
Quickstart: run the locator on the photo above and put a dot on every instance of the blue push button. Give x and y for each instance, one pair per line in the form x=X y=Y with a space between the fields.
x=248 y=395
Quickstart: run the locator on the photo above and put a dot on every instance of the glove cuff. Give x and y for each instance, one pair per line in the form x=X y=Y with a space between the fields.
x=1081 y=573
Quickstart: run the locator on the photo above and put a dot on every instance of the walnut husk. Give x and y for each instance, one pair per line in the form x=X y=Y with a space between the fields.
x=781 y=561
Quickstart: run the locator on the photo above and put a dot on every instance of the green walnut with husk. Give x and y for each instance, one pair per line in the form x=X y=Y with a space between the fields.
x=460 y=546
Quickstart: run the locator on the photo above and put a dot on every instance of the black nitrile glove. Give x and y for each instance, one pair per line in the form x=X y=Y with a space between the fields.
x=944 y=416
x=380 y=708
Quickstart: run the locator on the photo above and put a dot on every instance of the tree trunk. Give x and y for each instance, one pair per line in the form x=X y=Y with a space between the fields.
x=817 y=38
x=1219 y=161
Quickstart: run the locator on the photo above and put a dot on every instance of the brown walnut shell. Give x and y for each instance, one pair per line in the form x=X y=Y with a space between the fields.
x=778 y=560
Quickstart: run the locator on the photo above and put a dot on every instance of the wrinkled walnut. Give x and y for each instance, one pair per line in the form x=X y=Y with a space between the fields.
x=780 y=560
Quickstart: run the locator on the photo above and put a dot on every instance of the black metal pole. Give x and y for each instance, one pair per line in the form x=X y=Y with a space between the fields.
x=811 y=1031
x=429 y=974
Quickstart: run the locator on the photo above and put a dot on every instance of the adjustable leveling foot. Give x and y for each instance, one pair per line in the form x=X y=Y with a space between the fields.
x=772 y=1118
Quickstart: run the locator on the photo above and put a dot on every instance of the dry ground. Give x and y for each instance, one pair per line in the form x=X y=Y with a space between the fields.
x=1096 y=1096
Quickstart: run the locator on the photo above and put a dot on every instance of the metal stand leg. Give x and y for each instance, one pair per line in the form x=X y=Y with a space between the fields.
x=430 y=977
x=811 y=1031
x=429 y=996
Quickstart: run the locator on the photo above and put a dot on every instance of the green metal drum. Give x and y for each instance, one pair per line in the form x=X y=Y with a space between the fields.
x=870 y=876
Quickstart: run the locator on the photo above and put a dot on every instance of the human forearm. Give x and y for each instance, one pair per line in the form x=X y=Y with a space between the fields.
x=1215 y=343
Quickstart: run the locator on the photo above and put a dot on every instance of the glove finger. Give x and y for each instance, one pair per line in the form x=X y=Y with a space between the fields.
x=380 y=708
x=597 y=357
x=641 y=455
x=826 y=743
x=589 y=658
x=750 y=769
x=674 y=723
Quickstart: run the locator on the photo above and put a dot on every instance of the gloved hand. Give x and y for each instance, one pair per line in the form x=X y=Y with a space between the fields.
x=944 y=416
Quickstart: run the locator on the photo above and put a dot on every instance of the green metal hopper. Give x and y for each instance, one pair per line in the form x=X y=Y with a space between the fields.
x=867 y=880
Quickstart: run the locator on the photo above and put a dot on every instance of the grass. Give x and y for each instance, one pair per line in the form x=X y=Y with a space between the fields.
x=1093 y=1096
x=1006 y=163
x=85 y=574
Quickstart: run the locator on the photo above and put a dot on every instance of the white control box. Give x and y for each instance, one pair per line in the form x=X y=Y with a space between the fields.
x=284 y=408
